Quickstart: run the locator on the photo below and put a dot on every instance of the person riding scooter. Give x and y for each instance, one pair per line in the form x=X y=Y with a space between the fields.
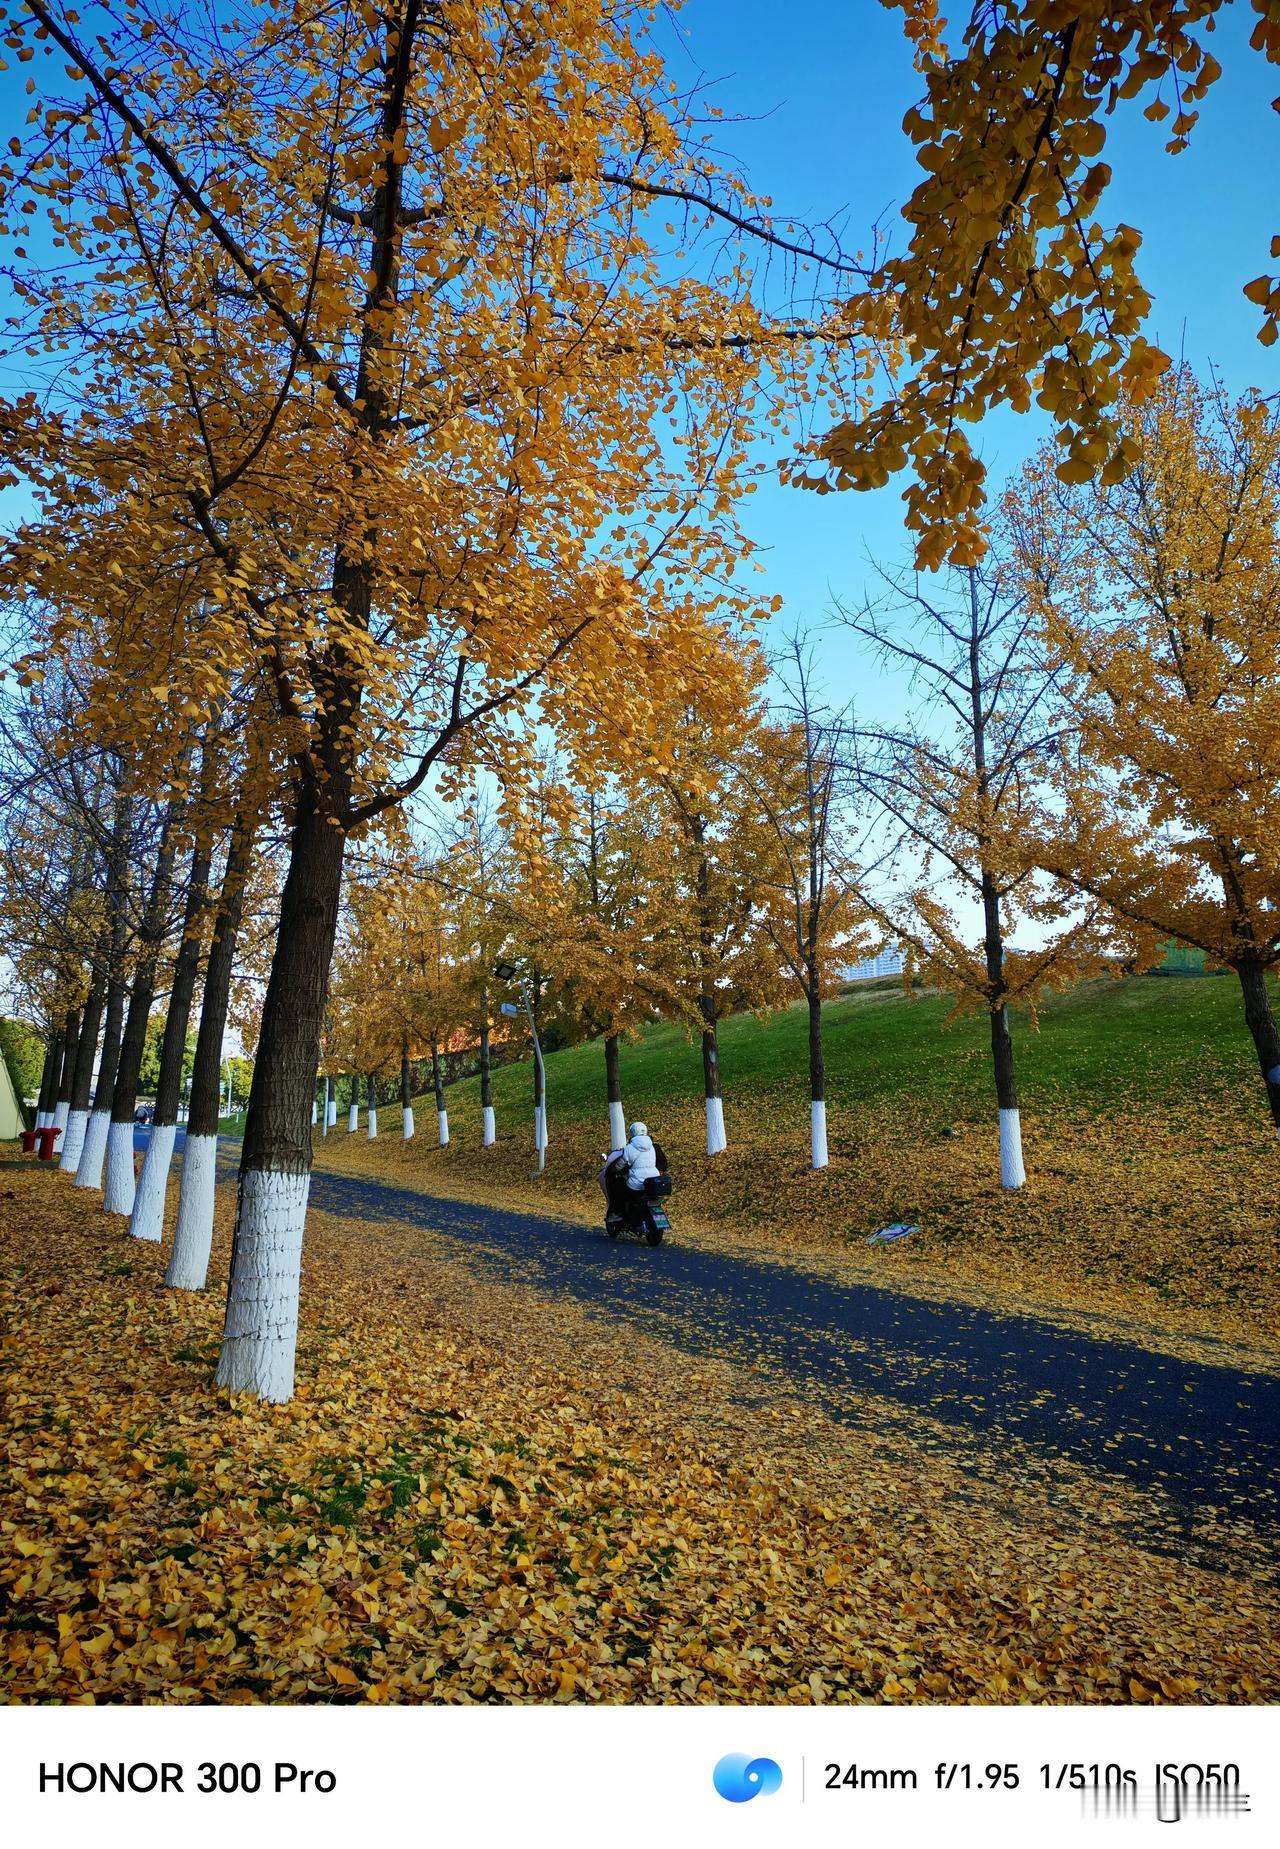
x=626 y=1173
x=639 y=1158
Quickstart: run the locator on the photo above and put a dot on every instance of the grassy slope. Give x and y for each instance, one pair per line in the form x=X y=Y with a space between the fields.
x=1151 y=1164
x=1167 y=1037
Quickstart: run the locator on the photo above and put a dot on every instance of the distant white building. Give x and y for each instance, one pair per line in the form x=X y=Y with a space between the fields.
x=888 y=963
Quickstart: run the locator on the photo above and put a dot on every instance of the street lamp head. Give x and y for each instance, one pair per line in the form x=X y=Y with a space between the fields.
x=504 y=971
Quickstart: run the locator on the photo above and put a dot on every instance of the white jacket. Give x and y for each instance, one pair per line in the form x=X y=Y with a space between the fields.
x=639 y=1157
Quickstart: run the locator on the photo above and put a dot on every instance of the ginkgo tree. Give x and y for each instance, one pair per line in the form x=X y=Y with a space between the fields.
x=729 y=863
x=797 y=769
x=1013 y=288
x=595 y=906
x=377 y=338
x=960 y=783
x=1159 y=598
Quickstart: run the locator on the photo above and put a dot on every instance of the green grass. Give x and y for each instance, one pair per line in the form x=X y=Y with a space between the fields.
x=1164 y=1039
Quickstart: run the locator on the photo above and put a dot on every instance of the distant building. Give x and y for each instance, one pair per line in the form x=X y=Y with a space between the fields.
x=888 y=963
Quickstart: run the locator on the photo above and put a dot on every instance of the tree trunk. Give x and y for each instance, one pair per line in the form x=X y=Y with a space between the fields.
x=148 y=1207
x=817 y=1078
x=67 y=1070
x=353 y=1109
x=613 y=1092
x=716 y=1140
x=108 y=966
x=91 y=1020
x=330 y=1103
x=1012 y=1172
x=1262 y=1025
x=89 y=1169
x=119 y=1192
x=49 y=1082
x=261 y=1327
x=437 y=1084
x=406 y=1091
x=193 y=1235
x=486 y=1089
x=371 y=1094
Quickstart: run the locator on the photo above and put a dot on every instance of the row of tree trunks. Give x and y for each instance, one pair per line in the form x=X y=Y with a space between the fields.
x=86 y=1051
x=93 y=1154
x=147 y=1221
x=119 y=1191
x=66 y=1073
x=193 y=1235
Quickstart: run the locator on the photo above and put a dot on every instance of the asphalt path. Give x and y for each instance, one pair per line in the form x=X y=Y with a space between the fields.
x=1205 y=1437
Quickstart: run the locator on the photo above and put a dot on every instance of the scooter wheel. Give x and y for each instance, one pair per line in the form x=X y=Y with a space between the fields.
x=654 y=1236
x=613 y=1228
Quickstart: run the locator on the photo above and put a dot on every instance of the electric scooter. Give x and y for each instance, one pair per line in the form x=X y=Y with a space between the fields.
x=634 y=1210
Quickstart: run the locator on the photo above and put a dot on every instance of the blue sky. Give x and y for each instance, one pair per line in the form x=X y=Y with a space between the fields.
x=828 y=87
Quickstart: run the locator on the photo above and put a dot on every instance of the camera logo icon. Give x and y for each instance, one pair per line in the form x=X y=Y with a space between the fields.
x=738 y=1778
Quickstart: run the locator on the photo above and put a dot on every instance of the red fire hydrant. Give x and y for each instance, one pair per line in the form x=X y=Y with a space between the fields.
x=45 y=1140
x=28 y=1141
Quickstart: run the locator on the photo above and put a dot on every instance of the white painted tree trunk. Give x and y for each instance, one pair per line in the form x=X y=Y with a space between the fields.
x=408 y=1123
x=442 y=1123
x=315 y=1112
x=41 y=1118
x=118 y=1195
x=1012 y=1173
x=148 y=1204
x=331 y=1116
x=716 y=1140
x=73 y=1141
x=261 y=1330
x=617 y=1126
x=92 y=1156
x=490 y=1127
x=353 y=1120
x=373 y=1120
x=818 y=1132
x=193 y=1235
x=61 y=1112
x=540 y=1131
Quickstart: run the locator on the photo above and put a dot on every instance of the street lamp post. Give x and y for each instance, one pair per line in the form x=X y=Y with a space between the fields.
x=508 y=972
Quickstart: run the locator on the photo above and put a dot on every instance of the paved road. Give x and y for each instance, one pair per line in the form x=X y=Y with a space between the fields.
x=1207 y=1437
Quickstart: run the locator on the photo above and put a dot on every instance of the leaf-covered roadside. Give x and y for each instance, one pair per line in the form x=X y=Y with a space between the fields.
x=460 y=1509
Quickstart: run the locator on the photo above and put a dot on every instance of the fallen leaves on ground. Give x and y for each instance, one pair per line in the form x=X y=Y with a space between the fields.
x=476 y=1497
